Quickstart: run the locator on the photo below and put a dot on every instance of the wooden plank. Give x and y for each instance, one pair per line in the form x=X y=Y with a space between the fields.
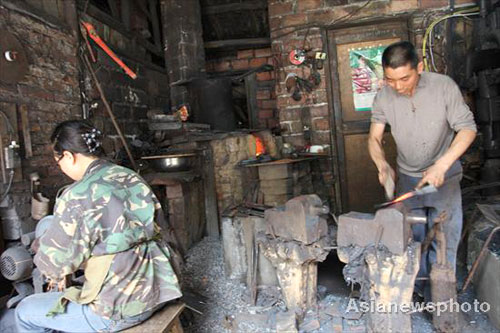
x=211 y=213
x=23 y=110
x=69 y=14
x=114 y=9
x=243 y=42
x=251 y=92
x=125 y=13
x=10 y=110
x=162 y=321
x=50 y=7
x=155 y=22
x=233 y=7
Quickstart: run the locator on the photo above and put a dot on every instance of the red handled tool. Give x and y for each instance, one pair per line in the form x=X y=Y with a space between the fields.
x=95 y=37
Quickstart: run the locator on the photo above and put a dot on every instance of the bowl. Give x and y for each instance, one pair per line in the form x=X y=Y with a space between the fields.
x=170 y=163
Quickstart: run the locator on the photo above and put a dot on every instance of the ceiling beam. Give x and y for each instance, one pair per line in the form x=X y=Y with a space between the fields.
x=244 y=42
x=233 y=7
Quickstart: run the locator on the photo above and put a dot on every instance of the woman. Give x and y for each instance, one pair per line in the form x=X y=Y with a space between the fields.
x=104 y=223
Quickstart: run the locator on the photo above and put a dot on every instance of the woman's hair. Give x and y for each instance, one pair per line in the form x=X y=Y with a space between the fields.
x=77 y=136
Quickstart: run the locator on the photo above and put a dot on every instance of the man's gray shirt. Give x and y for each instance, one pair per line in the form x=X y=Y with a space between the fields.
x=423 y=125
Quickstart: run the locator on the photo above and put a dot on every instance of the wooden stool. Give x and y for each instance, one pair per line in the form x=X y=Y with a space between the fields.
x=165 y=320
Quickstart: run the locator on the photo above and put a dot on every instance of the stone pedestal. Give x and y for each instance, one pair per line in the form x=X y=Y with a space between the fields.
x=296 y=267
x=391 y=278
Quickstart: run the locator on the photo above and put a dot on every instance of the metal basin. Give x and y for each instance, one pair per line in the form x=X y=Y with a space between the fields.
x=170 y=163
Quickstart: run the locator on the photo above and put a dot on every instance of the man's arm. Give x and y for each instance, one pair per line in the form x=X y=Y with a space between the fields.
x=377 y=152
x=435 y=174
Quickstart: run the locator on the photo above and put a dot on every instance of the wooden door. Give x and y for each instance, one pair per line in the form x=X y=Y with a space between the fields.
x=356 y=75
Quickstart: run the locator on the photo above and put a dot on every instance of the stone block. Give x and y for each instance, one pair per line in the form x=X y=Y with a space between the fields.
x=263 y=94
x=286 y=322
x=363 y=229
x=280 y=8
x=257 y=62
x=277 y=186
x=304 y=5
x=174 y=191
x=337 y=324
x=244 y=54
x=266 y=52
x=234 y=251
x=277 y=171
x=298 y=220
x=275 y=200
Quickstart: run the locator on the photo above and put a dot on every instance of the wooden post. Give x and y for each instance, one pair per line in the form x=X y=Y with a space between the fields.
x=211 y=214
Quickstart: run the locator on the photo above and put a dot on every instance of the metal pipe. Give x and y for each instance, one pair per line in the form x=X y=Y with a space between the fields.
x=478 y=259
x=2 y=161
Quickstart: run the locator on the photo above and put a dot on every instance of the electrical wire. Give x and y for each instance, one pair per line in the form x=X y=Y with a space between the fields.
x=431 y=53
x=428 y=31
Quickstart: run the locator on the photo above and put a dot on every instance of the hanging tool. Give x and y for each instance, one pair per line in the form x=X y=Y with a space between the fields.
x=95 y=37
x=424 y=190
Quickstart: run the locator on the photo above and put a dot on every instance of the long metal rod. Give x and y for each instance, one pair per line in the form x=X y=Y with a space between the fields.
x=110 y=112
x=2 y=161
x=478 y=259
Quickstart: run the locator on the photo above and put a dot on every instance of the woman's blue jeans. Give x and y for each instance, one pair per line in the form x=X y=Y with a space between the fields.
x=31 y=316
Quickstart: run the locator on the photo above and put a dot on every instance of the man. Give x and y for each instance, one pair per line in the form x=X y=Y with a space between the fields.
x=424 y=110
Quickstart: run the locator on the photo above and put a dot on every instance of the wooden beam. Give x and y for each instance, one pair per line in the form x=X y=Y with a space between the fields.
x=210 y=194
x=25 y=123
x=244 y=42
x=125 y=9
x=252 y=107
x=155 y=22
x=143 y=8
x=233 y=7
x=114 y=9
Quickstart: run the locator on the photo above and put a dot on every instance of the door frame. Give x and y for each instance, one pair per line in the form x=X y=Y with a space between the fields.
x=341 y=34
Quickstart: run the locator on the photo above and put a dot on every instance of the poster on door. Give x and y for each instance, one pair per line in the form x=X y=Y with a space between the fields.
x=367 y=75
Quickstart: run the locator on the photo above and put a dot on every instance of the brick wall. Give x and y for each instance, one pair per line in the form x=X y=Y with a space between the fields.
x=130 y=99
x=232 y=183
x=50 y=90
x=267 y=116
x=308 y=121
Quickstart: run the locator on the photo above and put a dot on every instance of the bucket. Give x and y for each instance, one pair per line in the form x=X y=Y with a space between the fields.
x=39 y=206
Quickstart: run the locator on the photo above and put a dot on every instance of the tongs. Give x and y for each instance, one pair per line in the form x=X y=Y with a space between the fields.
x=421 y=191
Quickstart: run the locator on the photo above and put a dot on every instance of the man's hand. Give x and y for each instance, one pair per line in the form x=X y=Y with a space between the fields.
x=433 y=176
x=35 y=245
x=384 y=173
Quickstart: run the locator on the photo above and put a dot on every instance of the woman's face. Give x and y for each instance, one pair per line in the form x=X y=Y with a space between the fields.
x=66 y=162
